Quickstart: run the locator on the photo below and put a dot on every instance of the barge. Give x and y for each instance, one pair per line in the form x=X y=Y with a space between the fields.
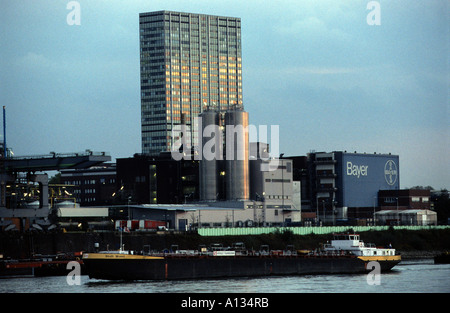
x=40 y=265
x=345 y=254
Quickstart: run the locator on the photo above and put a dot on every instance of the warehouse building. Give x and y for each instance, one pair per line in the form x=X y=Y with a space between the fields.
x=406 y=217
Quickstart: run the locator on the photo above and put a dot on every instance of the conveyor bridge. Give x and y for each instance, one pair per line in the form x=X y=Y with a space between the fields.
x=11 y=167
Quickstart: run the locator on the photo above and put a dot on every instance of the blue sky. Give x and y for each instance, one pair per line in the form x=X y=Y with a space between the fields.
x=316 y=68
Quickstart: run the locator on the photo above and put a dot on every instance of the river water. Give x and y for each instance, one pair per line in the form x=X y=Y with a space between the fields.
x=410 y=276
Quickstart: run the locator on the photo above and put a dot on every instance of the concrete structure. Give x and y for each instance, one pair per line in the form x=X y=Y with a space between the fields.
x=188 y=62
x=406 y=217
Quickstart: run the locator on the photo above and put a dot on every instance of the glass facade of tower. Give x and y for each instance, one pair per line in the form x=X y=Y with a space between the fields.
x=188 y=62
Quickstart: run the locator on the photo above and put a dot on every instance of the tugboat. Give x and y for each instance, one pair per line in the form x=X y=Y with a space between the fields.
x=351 y=243
x=345 y=254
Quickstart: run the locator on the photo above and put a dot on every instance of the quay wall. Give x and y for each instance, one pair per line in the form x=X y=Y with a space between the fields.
x=17 y=245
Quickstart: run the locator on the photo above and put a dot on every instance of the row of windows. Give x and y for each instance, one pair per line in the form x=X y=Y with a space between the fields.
x=278 y=197
x=152 y=128
x=90 y=199
x=175 y=32
x=156 y=135
x=193 y=53
x=187 y=65
x=194 y=92
x=268 y=180
x=221 y=67
x=158 y=146
x=159 y=20
x=413 y=199
x=226 y=90
x=90 y=181
x=174 y=57
x=193 y=38
x=193 y=42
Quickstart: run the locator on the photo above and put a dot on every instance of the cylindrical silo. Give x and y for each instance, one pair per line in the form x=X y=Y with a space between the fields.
x=236 y=156
x=209 y=171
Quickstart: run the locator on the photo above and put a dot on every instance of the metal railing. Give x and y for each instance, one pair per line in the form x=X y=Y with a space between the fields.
x=236 y=231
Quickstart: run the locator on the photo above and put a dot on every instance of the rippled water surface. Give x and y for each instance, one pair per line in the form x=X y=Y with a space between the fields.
x=408 y=276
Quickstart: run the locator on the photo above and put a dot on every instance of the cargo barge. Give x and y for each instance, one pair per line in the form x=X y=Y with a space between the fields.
x=40 y=265
x=345 y=254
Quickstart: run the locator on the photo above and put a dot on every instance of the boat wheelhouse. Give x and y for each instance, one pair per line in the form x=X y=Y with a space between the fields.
x=351 y=243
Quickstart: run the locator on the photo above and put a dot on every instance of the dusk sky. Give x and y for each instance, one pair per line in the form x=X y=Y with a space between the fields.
x=331 y=81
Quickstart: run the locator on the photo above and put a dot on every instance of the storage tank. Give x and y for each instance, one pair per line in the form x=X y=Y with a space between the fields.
x=236 y=156
x=209 y=171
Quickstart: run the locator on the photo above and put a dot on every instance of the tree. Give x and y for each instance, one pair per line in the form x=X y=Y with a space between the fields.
x=441 y=202
x=55 y=179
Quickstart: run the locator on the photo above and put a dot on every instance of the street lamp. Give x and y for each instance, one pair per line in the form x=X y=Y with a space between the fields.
x=317 y=210
x=398 y=217
x=323 y=210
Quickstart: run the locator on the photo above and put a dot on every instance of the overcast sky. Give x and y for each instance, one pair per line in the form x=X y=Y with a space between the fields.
x=316 y=68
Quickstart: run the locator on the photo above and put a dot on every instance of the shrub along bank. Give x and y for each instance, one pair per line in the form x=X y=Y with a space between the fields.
x=16 y=245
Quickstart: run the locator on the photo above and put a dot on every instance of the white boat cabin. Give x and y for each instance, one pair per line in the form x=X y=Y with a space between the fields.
x=342 y=243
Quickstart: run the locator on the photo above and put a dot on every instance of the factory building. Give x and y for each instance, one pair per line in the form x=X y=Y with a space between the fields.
x=342 y=187
x=406 y=217
x=143 y=179
x=220 y=183
x=91 y=186
x=404 y=199
x=271 y=201
x=224 y=163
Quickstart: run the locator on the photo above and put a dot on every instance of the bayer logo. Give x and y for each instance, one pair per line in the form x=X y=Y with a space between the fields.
x=390 y=172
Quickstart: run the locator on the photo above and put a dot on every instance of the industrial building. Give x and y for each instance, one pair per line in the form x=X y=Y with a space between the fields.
x=224 y=172
x=229 y=187
x=92 y=186
x=191 y=71
x=145 y=179
x=27 y=199
x=191 y=66
x=404 y=199
x=406 y=217
x=342 y=187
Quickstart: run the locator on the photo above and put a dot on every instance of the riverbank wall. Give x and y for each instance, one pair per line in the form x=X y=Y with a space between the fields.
x=411 y=243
